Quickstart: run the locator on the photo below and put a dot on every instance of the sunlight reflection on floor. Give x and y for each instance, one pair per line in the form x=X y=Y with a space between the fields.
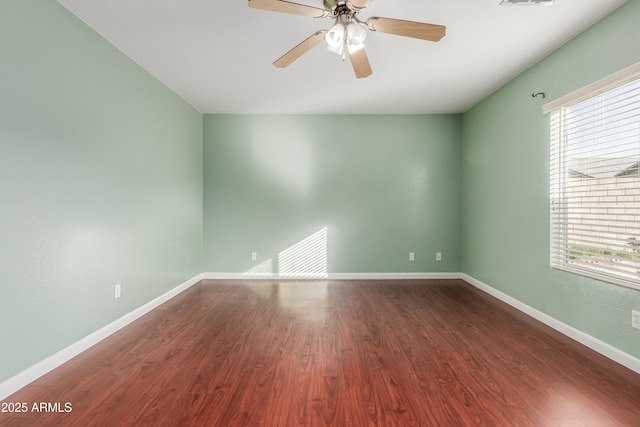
x=307 y=299
x=569 y=407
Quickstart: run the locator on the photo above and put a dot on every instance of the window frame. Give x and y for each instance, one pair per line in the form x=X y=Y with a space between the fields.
x=559 y=224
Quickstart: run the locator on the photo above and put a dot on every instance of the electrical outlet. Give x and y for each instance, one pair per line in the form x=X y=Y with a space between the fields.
x=117 y=291
x=438 y=256
x=635 y=319
x=254 y=256
x=412 y=256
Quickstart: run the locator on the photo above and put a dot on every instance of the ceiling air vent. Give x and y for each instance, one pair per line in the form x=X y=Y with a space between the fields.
x=523 y=2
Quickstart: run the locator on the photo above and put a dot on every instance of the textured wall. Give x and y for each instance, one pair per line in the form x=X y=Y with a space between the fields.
x=100 y=183
x=505 y=224
x=380 y=187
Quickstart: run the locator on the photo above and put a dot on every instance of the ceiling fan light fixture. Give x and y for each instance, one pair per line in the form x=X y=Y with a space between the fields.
x=356 y=33
x=335 y=36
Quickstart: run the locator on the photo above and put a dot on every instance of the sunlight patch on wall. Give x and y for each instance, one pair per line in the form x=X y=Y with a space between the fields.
x=306 y=259
x=264 y=269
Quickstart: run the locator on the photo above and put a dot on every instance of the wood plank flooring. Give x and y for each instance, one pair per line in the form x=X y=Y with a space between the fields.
x=348 y=353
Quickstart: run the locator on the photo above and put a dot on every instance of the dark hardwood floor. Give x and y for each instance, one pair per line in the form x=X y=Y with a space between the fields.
x=351 y=353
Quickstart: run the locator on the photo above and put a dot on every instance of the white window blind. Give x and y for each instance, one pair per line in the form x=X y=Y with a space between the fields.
x=595 y=183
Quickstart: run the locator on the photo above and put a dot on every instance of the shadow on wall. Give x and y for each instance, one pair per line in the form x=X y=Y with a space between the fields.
x=307 y=258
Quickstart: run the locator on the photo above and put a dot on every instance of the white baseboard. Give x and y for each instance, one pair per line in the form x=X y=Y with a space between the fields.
x=607 y=350
x=15 y=383
x=332 y=276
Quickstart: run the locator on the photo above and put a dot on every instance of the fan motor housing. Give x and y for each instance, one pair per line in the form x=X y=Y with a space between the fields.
x=330 y=4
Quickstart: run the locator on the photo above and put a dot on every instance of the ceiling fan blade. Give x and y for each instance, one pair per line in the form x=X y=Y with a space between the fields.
x=304 y=47
x=359 y=4
x=417 y=30
x=288 y=7
x=360 y=63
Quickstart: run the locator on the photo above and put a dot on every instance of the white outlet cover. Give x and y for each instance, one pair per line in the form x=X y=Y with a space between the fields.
x=412 y=256
x=117 y=291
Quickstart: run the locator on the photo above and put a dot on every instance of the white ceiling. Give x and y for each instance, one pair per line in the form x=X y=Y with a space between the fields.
x=218 y=55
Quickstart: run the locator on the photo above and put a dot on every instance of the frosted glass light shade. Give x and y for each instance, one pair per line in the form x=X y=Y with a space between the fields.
x=335 y=36
x=356 y=33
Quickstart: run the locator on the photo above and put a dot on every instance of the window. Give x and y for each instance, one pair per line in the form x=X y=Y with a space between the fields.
x=595 y=180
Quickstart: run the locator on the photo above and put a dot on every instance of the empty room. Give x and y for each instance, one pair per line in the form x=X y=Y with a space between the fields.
x=320 y=213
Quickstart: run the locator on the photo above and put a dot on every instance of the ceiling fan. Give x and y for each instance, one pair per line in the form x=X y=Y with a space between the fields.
x=346 y=37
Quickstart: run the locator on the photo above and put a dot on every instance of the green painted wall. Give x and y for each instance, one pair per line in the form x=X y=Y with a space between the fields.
x=505 y=222
x=383 y=186
x=100 y=183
